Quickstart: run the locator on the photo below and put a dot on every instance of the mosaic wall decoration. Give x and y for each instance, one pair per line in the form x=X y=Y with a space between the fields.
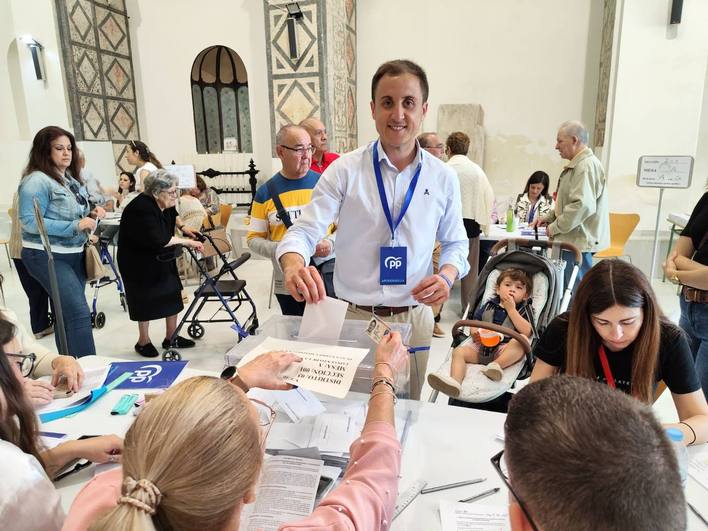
x=99 y=72
x=608 y=28
x=321 y=81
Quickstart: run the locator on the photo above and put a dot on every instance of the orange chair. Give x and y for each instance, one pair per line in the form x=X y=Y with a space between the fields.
x=621 y=228
x=225 y=212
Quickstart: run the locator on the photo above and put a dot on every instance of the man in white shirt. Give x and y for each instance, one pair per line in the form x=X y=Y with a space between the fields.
x=392 y=201
x=477 y=197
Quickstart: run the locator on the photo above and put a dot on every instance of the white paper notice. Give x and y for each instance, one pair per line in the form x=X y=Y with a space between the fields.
x=323 y=320
x=325 y=369
x=185 y=174
x=698 y=467
x=456 y=516
x=286 y=493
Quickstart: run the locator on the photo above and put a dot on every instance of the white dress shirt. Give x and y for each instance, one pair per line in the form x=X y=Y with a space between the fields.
x=347 y=191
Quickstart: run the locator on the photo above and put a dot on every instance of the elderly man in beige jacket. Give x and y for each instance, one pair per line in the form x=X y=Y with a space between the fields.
x=581 y=215
x=477 y=197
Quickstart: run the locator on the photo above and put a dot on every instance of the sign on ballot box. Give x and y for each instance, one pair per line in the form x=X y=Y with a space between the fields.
x=146 y=374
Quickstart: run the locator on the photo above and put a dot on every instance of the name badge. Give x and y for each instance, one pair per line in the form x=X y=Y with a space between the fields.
x=393 y=265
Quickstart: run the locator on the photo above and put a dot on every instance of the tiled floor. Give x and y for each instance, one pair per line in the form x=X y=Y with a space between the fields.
x=119 y=334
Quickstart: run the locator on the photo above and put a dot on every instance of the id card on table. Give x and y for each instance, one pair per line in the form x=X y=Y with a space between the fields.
x=393 y=265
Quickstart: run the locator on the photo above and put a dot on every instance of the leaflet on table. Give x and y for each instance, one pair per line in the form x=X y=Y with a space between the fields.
x=455 y=516
x=323 y=320
x=146 y=374
x=51 y=439
x=325 y=369
x=286 y=493
x=698 y=467
x=93 y=378
x=296 y=403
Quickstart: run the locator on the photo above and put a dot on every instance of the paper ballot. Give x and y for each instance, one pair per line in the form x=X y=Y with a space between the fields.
x=323 y=320
x=456 y=516
x=324 y=369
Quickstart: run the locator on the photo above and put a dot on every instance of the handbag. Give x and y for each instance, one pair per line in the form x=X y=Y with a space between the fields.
x=94 y=265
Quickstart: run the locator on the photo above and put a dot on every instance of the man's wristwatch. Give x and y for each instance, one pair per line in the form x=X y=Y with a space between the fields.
x=230 y=374
x=675 y=279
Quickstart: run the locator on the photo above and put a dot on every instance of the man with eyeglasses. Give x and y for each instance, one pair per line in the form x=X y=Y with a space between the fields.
x=391 y=200
x=321 y=158
x=278 y=204
x=579 y=455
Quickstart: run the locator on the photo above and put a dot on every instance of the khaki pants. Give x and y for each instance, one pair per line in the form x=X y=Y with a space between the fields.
x=421 y=321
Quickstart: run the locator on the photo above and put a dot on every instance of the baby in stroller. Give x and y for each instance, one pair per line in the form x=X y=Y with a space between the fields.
x=509 y=308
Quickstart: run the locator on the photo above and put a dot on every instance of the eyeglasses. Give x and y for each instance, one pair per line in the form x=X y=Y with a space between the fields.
x=500 y=467
x=171 y=193
x=300 y=150
x=74 y=187
x=24 y=361
x=266 y=416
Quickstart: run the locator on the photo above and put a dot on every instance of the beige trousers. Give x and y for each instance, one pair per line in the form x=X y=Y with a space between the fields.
x=421 y=321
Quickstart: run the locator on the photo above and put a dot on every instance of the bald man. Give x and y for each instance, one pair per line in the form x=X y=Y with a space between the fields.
x=321 y=158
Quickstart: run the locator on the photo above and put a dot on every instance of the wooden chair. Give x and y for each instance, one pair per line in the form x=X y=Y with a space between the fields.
x=225 y=211
x=621 y=228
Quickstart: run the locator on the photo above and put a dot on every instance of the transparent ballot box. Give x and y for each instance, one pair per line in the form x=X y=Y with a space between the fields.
x=353 y=335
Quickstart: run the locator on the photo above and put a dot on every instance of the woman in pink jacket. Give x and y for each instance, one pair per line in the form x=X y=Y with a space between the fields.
x=192 y=458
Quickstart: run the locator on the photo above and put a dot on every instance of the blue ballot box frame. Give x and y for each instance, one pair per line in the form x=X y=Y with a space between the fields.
x=353 y=335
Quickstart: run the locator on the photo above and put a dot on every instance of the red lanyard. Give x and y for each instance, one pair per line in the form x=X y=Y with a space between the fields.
x=606 y=367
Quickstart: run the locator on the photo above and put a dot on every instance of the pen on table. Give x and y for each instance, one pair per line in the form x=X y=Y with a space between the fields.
x=452 y=485
x=699 y=515
x=480 y=495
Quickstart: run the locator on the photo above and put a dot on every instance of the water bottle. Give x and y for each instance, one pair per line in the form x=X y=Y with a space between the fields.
x=676 y=437
x=510 y=219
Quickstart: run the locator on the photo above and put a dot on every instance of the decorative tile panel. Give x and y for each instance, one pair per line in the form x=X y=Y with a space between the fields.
x=95 y=44
x=321 y=81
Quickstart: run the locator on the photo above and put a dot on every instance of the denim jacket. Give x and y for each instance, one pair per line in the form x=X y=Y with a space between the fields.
x=60 y=209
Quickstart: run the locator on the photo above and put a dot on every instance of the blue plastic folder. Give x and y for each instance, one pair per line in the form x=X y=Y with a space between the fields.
x=84 y=403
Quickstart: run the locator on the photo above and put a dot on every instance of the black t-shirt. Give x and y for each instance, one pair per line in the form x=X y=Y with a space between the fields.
x=675 y=363
x=696 y=229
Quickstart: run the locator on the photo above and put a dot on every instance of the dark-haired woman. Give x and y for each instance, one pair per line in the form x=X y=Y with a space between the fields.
x=126 y=189
x=616 y=333
x=688 y=265
x=534 y=201
x=18 y=422
x=52 y=177
x=143 y=159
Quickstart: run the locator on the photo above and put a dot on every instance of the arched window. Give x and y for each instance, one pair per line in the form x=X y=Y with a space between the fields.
x=222 y=120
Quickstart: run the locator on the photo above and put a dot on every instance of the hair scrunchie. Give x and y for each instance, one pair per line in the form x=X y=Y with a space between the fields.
x=153 y=495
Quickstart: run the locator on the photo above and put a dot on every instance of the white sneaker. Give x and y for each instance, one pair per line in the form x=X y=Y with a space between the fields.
x=493 y=371
x=445 y=384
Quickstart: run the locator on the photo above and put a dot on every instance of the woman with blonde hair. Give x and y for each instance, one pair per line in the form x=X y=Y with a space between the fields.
x=192 y=458
x=616 y=333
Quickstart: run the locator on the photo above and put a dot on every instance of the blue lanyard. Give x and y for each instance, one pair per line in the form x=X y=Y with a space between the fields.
x=382 y=193
x=532 y=213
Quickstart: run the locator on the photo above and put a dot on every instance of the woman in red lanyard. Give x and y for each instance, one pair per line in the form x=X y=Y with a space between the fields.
x=616 y=333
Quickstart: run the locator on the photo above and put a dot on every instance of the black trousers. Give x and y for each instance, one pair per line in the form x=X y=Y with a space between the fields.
x=289 y=306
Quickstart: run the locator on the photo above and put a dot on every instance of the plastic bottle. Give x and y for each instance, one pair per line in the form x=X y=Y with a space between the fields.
x=510 y=219
x=676 y=437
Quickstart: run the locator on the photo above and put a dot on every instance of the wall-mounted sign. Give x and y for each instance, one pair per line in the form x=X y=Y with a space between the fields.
x=230 y=143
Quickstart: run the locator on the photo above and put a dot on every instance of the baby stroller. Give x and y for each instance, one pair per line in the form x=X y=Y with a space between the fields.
x=106 y=234
x=548 y=299
x=224 y=287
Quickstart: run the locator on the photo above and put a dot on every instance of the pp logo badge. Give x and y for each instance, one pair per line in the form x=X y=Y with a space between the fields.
x=393 y=262
x=392 y=268
x=145 y=373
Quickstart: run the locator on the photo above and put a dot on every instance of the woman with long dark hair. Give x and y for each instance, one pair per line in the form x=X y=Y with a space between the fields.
x=143 y=159
x=534 y=201
x=616 y=333
x=52 y=177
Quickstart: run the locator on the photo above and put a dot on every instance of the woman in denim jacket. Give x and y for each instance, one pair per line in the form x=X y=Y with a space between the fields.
x=63 y=201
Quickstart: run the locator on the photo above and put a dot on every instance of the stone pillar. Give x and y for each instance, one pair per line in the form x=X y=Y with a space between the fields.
x=468 y=118
x=320 y=81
